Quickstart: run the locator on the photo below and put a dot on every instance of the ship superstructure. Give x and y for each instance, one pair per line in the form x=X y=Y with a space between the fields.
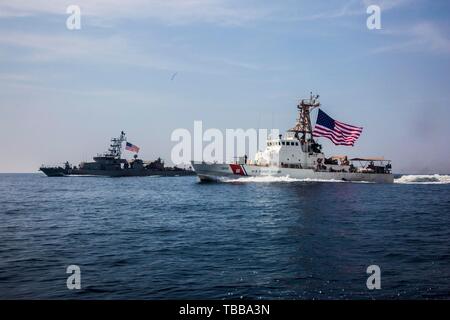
x=111 y=160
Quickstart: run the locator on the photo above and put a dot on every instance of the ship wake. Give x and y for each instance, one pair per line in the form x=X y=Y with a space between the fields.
x=272 y=179
x=424 y=179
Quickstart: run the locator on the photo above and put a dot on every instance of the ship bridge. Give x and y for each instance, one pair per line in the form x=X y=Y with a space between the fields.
x=289 y=152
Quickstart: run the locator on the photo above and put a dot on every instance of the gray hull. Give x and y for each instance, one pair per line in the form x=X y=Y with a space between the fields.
x=214 y=172
x=54 y=172
x=61 y=172
x=133 y=173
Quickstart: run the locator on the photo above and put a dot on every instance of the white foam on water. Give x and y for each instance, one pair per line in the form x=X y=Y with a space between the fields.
x=423 y=179
x=270 y=179
x=406 y=179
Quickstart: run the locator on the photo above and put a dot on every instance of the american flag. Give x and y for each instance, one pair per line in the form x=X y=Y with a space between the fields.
x=132 y=147
x=338 y=132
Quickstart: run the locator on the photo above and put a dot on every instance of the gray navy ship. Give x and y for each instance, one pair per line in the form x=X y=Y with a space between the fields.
x=112 y=164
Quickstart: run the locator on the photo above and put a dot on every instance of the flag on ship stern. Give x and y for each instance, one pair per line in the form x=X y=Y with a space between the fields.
x=131 y=147
x=338 y=132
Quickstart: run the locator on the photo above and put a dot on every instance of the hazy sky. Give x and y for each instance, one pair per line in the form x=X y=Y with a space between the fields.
x=239 y=64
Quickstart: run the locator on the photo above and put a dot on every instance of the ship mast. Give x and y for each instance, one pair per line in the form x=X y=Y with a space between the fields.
x=115 y=149
x=303 y=124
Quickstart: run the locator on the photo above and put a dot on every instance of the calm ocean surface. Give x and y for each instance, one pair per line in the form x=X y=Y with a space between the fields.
x=175 y=238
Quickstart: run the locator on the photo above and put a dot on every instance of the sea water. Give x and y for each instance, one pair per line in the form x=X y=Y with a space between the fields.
x=255 y=238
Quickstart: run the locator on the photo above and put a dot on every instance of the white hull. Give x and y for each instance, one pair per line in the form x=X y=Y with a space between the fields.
x=213 y=172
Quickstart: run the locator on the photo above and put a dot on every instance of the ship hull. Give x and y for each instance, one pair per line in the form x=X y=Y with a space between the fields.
x=54 y=172
x=61 y=172
x=132 y=173
x=216 y=172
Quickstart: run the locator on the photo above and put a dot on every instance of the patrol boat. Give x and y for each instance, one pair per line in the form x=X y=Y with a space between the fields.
x=297 y=155
x=112 y=164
